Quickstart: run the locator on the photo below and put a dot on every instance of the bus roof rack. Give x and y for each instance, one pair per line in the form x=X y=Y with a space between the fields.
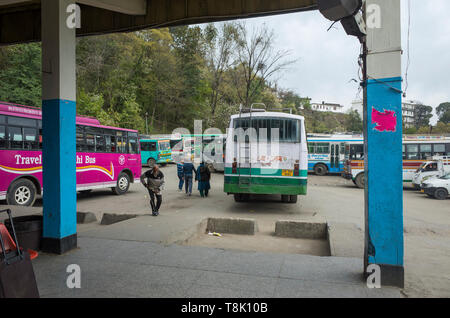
x=252 y=109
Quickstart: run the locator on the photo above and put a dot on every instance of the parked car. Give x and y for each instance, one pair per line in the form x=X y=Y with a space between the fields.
x=436 y=168
x=438 y=188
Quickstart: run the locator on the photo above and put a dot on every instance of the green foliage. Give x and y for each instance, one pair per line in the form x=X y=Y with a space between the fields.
x=20 y=74
x=443 y=108
x=354 y=122
x=443 y=111
x=167 y=78
x=422 y=115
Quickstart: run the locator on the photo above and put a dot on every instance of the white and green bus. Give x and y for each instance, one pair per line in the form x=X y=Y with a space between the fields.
x=266 y=153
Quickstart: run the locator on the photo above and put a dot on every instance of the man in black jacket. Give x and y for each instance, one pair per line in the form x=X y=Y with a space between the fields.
x=153 y=180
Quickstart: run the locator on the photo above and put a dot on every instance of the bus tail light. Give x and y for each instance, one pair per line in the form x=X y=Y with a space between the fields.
x=297 y=169
x=234 y=169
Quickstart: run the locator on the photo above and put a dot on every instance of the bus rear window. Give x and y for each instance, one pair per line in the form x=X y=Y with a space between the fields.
x=288 y=129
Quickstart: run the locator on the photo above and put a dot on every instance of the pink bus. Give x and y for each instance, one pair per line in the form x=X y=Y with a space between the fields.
x=107 y=157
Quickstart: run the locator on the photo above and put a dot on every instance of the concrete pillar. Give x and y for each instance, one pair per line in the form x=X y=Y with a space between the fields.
x=58 y=119
x=383 y=141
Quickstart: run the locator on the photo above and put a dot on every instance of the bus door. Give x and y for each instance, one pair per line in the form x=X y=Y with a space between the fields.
x=335 y=160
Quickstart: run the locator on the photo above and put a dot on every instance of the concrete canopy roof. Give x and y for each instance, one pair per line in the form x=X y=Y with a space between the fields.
x=20 y=21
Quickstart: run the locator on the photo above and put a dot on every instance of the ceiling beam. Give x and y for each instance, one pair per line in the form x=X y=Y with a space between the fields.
x=21 y=23
x=130 y=7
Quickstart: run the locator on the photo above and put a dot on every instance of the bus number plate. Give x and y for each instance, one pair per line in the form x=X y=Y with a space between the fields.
x=287 y=173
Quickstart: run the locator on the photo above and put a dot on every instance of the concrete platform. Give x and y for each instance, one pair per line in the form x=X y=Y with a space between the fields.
x=114 y=268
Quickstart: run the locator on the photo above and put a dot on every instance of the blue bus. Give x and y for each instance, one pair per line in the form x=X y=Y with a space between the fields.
x=326 y=153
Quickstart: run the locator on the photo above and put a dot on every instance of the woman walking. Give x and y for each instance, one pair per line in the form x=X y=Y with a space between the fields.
x=203 y=177
x=153 y=180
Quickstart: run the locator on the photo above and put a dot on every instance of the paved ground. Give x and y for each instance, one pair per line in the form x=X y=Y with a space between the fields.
x=331 y=199
x=112 y=268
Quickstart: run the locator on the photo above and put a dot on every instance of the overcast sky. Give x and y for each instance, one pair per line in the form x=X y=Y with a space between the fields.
x=327 y=61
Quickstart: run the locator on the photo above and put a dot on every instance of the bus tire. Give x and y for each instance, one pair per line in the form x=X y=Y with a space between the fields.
x=321 y=170
x=123 y=184
x=293 y=199
x=151 y=162
x=441 y=194
x=22 y=193
x=286 y=198
x=360 y=180
x=238 y=197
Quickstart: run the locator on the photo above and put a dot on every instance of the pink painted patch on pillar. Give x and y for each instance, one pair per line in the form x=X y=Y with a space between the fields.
x=386 y=121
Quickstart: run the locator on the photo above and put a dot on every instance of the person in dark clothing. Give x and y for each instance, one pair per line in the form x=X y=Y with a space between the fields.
x=153 y=180
x=180 y=172
x=189 y=170
x=203 y=177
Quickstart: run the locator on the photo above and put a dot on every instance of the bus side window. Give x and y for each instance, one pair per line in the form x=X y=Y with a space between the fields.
x=425 y=151
x=15 y=137
x=2 y=136
x=145 y=146
x=80 y=141
x=439 y=150
x=152 y=146
x=311 y=147
x=412 y=152
x=132 y=145
x=113 y=144
x=323 y=148
x=30 y=139
x=90 y=143
x=100 y=144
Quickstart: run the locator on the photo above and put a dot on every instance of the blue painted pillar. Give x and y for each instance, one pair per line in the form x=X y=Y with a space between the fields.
x=58 y=121
x=383 y=141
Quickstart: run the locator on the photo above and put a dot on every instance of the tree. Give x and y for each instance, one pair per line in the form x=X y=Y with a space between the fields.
x=256 y=62
x=354 y=122
x=20 y=74
x=443 y=112
x=220 y=44
x=422 y=115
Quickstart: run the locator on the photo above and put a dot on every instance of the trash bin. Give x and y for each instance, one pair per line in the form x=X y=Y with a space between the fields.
x=28 y=231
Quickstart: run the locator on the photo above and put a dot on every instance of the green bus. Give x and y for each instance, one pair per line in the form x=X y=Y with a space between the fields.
x=155 y=151
x=266 y=154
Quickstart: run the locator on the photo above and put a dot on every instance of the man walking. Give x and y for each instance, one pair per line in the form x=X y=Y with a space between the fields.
x=189 y=170
x=180 y=172
x=153 y=180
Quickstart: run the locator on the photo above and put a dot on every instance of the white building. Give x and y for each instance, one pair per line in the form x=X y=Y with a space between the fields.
x=408 y=107
x=327 y=107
